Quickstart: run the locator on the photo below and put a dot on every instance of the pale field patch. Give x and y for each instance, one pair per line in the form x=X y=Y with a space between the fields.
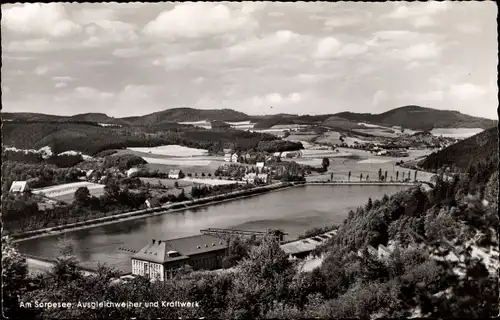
x=172 y=150
x=212 y=182
x=374 y=161
x=458 y=133
x=369 y=125
x=177 y=162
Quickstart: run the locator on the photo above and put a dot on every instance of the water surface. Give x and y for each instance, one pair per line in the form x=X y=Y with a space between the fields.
x=294 y=210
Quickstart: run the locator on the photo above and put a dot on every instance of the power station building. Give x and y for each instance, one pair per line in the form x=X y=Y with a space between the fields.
x=161 y=259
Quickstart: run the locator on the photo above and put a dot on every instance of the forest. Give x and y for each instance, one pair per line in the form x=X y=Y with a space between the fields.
x=92 y=139
x=481 y=148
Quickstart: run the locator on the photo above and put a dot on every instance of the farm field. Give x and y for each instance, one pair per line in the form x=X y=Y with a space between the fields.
x=211 y=182
x=178 y=161
x=301 y=137
x=66 y=192
x=241 y=125
x=379 y=132
x=209 y=168
x=172 y=150
x=369 y=164
x=166 y=182
x=201 y=124
x=331 y=137
x=458 y=133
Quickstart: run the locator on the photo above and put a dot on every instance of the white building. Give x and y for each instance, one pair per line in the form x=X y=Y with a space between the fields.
x=89 y=173
x=250 y=177
x=174 y=174
x=132 y=172
x=231 y=157
x=19 y=186
x=264 y=177
x=260 y=165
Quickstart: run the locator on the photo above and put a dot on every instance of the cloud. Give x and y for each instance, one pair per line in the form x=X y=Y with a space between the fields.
x=128 y=52
x=276 y=99
x=417 y=51
x=41 y=70
x=60 y=85
x=424 y=21
x=466 y=91
x=89 y=93
x=352 y=49
x=39 y=19
x=327 y=48
x=105 y=32
x=63 y=78
x=408 y=10
x=196 y=20
x=92 y=15
x=378 y=97
x=339 y=22
x=31 y=45
x=468 y=28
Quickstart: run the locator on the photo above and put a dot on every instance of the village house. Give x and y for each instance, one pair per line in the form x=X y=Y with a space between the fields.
x=161 y=259
x=231 y=157
x=132 y=172
x=250 y=177
x=174 y=174
x=264 y=177
x=19 y=186
x=152 y=203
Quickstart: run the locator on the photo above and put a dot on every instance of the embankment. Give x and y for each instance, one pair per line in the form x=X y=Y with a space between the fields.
x=190 y=204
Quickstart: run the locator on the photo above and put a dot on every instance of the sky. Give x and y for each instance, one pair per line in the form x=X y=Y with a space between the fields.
x=255 y=57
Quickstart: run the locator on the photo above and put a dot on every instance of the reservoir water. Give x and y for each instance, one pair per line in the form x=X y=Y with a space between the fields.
x=294 y=210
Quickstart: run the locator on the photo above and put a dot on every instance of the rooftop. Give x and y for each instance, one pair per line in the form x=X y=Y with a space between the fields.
x=18 y=186
x=158 y=250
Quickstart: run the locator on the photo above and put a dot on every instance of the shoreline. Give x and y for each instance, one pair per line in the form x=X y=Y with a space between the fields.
x=186 y=205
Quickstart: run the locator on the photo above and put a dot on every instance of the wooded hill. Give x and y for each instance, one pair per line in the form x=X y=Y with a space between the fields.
x=480 y=148
x=92 y=138
x=420 y=118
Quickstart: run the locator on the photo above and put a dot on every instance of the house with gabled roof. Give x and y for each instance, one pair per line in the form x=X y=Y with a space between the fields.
x=161 y=259
x=19 y=186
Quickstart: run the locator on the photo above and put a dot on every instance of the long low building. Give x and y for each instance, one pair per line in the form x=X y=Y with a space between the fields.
x=161 y=259
x=303 y=247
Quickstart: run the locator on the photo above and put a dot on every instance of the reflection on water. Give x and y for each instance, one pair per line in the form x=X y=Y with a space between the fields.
x=293 y=210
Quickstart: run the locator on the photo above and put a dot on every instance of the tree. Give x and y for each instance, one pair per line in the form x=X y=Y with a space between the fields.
x=325 y=163
x=14 y=278
x=403 y=179
x=111 y=189
x=349 y=176
x=415 y=175
x=82 y=195
x=380 y=174
x=360 y=177
x=397 y=175
x=369 y=205
x=367 y=177
x=176 y=184
x=203 y=174
x=331 y=176
x=385 y=175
